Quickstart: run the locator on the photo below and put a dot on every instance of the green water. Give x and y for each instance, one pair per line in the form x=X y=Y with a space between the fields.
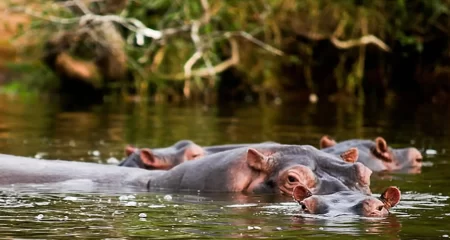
x=45 y=128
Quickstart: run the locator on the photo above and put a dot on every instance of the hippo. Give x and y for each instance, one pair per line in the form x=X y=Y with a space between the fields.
x=347 y=202
x=376 y=155
x=265 y=169
x=162 y=158
x=167 y=158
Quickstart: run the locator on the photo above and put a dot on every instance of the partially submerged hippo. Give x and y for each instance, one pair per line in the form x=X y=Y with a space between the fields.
x=268 y=168
x=347 y=202
x=169 y=157
x=162 y=158
x=376 y=155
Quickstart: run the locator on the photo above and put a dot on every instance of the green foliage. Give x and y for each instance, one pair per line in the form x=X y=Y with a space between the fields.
x=32 y=78
x=293 y=26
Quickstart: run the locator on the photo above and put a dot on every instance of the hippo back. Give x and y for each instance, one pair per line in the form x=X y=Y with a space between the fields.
x=15 y=170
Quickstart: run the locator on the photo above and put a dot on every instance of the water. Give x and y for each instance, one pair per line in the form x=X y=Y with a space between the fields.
x=46 y=129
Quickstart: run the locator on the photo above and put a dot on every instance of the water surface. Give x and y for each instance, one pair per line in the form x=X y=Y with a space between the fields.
x=46 y=129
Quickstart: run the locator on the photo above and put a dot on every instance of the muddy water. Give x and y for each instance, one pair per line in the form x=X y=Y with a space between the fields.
x=45 y=129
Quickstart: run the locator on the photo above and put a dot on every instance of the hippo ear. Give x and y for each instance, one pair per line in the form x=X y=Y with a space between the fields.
x=129 y=150
x=326 y=142
x=381 y=145
x=150 y=160
x=350 y=155
x=300 y=192
x=390 y=197
x=193 y=151
x=257 y=160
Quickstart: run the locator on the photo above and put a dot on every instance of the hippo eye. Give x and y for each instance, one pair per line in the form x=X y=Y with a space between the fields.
x=292 y=179
x=380 y=208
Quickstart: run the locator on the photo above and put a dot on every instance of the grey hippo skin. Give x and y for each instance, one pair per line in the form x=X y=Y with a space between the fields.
x=267 y=168
x=347 y=202
x=376 y=155
x=168 y=157
x=161 y=158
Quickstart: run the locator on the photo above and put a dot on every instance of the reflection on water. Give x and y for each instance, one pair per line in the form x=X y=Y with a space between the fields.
x=44 y=129
x=108 y=212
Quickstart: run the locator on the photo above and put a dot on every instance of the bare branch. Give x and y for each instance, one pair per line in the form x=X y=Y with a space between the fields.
x=194 y=34
x=233 y=60
x=198 y=45
x=141 y=31
x=209 y=65
x=192 y=60
x=249 y=37
x=364 y=40
x=172 y=31
x=207 y=15
x=204 y=72
x=82 y=6
x=130 y=23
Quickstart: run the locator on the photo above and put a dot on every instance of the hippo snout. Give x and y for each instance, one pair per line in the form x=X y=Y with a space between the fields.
x=315 y=205
x=309 y=205
x=415 y=157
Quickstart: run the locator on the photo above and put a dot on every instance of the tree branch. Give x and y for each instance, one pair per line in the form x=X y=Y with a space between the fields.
x=82 y=6
x=204 y=72
x=364 y=40
x=258 y=42
x=192 y=60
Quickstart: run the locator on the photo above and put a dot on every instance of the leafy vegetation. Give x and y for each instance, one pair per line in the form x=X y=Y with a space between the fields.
x=187 y=48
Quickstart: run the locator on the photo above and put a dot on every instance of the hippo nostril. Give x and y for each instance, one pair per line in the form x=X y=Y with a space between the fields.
x=419 y=159
x=379 y=208
x=304 y=208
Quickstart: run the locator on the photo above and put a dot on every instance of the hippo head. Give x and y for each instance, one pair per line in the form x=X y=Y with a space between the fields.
x=377 y=155
x=162 y=158
x=347 y=202
x=283 y=167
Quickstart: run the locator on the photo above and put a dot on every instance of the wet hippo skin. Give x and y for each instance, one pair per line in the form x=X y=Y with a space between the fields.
x=166 y=158
x=268 y=168
x=162 y=158
x=376 y=155
x=346 y=202
x=16 y=170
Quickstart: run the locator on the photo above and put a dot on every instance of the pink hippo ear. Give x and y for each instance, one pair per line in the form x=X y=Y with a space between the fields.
x=193 y=151
x=258 y=161
x=149 y=159
x=129 y=149
x=381 y=145
x=350 y=155
x=326 y=142
x=300 y=192
x=390 y=197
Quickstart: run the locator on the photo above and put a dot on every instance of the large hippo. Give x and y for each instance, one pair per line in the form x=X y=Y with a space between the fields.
x=347 y=202
x=268 y=168
x=376 y=155
x=168 y=157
